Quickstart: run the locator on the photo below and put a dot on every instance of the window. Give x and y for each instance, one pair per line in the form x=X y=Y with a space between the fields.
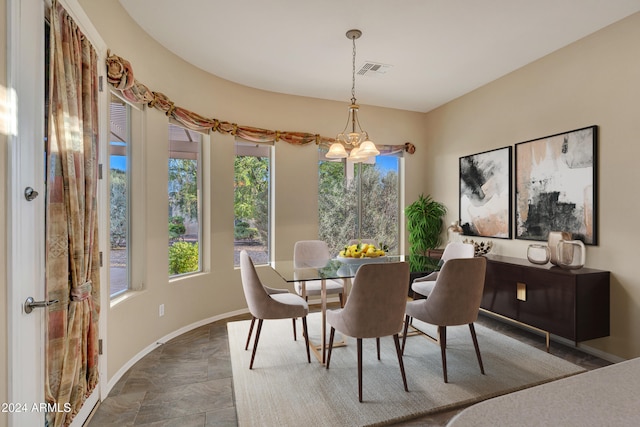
x=185 y=184
x=119 y=198
x=252 y=207
x=359 y=201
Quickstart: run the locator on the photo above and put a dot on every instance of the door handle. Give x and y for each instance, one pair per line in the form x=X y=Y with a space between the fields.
x=30 y=304
x=30 y=194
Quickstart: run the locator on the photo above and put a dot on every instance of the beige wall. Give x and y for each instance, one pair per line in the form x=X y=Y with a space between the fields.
x=4 y=356
x=134 y=323
x=595 y=81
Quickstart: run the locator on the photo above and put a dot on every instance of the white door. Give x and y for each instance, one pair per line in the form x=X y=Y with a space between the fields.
x=26 y=218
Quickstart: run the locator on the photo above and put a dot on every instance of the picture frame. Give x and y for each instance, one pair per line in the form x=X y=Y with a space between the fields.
x=556 y=186
x=486 y=193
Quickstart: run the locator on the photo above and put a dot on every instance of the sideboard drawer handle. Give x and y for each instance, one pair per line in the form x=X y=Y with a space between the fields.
x=521 y=291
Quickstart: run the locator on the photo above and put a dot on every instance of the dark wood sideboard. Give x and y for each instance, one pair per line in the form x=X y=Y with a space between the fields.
x=573 y=304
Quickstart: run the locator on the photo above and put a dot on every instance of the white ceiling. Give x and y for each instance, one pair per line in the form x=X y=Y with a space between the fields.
x=438 y=49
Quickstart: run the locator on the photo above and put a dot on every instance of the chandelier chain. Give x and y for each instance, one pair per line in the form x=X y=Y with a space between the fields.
x=353 y=73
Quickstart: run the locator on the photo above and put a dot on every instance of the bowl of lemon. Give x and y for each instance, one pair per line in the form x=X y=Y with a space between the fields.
x=361 y=253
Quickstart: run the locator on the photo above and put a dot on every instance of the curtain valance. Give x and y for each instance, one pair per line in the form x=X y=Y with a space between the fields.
x=120 y=76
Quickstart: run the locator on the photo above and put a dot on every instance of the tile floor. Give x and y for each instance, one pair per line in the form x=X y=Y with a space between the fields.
x=188 y=381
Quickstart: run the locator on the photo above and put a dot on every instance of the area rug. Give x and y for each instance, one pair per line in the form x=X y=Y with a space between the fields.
x=283 y=389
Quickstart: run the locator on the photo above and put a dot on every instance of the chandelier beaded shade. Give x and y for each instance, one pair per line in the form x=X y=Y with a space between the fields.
x=356 y=138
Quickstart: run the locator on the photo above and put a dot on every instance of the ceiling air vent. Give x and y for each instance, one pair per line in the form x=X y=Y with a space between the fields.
x=373 y=69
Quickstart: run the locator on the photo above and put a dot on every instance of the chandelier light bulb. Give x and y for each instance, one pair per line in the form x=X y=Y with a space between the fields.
x=336 y=151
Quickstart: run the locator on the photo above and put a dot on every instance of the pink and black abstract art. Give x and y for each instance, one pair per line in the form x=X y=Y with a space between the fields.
x=556 y=186
x=485 y=194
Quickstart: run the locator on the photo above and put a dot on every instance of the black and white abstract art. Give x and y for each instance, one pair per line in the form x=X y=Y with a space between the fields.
x=556 y=186
x=485 y=194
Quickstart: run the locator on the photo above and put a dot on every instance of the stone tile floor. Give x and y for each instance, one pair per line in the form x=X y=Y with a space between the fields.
x=188 y=381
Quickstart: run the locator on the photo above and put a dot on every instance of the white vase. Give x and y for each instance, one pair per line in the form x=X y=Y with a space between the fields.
x=571 y=254
x=538 y=254
x=554 y=238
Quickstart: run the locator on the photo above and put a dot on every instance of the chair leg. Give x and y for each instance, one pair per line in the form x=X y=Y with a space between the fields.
x=360 y=369
x=341 y=296
x=331 y=335
x=407 y=319
x=475 y=344
x=253 y=320
x=295 y=338
x=442 y=333
x=378 y=346
x=306 y=337
x=255 y=344
x=396 y=339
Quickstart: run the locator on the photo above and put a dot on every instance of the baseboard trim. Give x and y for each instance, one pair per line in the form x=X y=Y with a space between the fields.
x=148 y=349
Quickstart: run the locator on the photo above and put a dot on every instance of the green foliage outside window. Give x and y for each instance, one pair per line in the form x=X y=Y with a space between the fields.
x=244 y=231
x=251 y=204
x=183 y=186
x=338 y=205
x=176 y=227
x=118 y=218
x=183 y=258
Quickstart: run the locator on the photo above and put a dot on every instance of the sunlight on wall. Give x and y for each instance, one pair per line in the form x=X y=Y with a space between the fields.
x=7 y=111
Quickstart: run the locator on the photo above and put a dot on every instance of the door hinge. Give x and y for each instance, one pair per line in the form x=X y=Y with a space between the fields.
x=99 y=346
x=100 y=171
x=100 y=258
x=100 y=88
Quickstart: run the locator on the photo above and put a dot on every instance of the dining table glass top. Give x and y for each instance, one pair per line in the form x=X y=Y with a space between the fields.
x=346 y=267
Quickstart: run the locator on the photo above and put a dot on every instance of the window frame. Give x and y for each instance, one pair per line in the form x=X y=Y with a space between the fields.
x=270 y=148
x=128 y=155
x=353 y=171
x=200 y=191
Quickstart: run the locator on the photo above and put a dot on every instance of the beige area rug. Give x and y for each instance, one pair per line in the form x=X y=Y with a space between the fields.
x=284 y=390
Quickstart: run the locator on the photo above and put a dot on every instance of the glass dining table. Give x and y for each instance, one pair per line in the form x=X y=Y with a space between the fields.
x=344 y=269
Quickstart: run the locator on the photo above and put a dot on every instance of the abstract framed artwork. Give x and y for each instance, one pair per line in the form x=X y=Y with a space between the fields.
x=556 y=186
x=485 y=193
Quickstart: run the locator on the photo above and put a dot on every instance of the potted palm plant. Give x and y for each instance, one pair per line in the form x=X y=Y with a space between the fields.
x=424 y=223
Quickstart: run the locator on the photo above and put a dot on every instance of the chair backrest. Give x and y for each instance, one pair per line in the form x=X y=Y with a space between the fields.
x=310 y=253
x=376 y=304
x=457 y=294
x=457 y=250
x=258 y=300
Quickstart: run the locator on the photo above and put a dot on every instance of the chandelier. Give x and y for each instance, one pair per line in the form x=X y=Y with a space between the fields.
x=361 y=147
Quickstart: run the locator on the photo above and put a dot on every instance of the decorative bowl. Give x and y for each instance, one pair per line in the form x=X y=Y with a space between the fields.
x=360 y=261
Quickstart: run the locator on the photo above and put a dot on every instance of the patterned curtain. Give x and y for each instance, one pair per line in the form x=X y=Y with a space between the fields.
x=72 y=266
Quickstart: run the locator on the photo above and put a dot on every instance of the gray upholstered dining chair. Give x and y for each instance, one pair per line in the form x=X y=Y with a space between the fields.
x=375 y=309
x=315 y=254
x=424 y=285
x=268 y=303
x=454 y=300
